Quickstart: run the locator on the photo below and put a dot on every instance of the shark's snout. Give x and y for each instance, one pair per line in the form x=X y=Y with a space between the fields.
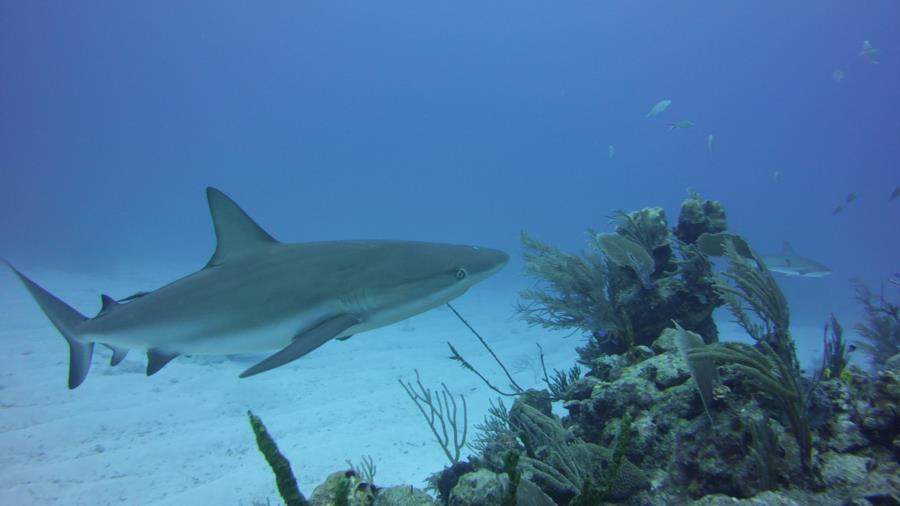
x=489 y=261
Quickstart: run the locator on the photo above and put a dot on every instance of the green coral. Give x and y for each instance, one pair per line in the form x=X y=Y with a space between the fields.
x=511 y=467
x=772 y=375
x=647 y=227
x=881 y=331
x=611 y=478
x=765 y=452
x=575 y=291
x=751 y=289
x=699 y=216
x=572 y=469
x=284 y=476
x=836 y=355
x=627 y=253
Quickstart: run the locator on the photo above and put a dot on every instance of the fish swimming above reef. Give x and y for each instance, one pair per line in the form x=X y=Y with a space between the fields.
x=711 y=143
x=612 y=151
x=682 y=124
x=870 y=53
x=838 y=75
x=791 y=264
x=627 y=253
x=257 y=294
x=660 y=107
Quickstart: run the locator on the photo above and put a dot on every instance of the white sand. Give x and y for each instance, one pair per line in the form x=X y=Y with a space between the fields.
x=182 y=436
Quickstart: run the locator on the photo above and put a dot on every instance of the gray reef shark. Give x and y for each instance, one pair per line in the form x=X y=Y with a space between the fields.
x=791 y=264
x=257 y=294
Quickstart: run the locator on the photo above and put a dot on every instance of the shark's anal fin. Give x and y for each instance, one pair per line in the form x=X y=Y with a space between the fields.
x=305 y=342
x=157 y=359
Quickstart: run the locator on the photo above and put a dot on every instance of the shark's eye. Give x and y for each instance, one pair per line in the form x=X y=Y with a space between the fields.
x=461 y=273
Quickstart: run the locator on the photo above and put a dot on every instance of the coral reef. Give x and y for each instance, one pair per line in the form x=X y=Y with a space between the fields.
x=881 y=330
x=694 y=421
x=665 y=413
x=630 y=284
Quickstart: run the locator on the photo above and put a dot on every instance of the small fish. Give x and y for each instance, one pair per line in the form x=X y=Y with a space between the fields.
x=684 y=123
x=870 y=53
x=851 y=197
x=660 y=106
x=838 y=75
x=711 y=143
x=612 y=151
x=839 y=209
x=776 y=175
x=894 y=194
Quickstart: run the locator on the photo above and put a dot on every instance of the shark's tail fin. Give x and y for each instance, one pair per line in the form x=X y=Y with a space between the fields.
x=66 y=320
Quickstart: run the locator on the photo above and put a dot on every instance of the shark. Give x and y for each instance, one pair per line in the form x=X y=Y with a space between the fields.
x=257 y=294
x=791 y=264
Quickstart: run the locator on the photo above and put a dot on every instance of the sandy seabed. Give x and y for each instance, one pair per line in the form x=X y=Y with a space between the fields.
x=182 y=435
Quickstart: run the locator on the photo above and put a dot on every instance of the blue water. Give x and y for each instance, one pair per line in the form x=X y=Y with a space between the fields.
x=461 y=122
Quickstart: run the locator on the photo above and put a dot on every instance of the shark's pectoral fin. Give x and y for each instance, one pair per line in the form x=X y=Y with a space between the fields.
x=118 y=354
x=344 y=338
x=305 y=342
x=157 y=359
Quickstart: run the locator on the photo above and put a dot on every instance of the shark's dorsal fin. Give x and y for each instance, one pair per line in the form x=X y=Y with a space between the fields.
x=107 y=302
x=236 y=233
x=786 y=249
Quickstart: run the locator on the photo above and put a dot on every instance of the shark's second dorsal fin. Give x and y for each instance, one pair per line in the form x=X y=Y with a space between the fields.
x=236 y=232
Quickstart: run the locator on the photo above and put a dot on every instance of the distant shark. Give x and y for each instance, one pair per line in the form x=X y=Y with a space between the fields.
x=791 y=264
x=257 y=294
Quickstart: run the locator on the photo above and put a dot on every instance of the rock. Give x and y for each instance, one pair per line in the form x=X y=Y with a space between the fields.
x=486 y=488
x=403 y=496
x=844 y=470
x=763 y=499
x=639 y=353
x=893 y=363
x=608 y=367
x=699 y=216
x=481 y=488
x=878 y=407
x=357 y=492
x=665 y=342
x=539 y=400
x=665 y=371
